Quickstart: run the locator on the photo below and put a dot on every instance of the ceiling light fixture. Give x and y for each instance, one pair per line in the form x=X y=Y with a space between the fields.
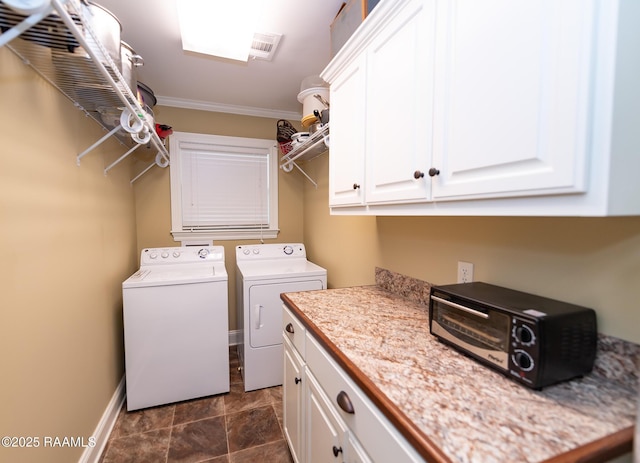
x=223 y=28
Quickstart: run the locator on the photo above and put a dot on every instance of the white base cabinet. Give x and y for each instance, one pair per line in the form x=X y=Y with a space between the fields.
x=327 y=417
x=292 y=395
x=328 y=438
x=488 y=108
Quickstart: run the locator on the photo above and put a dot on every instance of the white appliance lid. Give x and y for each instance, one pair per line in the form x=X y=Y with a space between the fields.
x=279 y=268
x=175 y=274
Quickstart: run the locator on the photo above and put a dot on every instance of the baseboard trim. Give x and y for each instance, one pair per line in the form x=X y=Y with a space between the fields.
x=105 y=426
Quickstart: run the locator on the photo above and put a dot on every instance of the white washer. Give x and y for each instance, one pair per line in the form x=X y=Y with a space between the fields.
x=176 y=329
x=265 y=271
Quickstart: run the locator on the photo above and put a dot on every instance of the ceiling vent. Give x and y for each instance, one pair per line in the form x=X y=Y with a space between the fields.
x=264 y=46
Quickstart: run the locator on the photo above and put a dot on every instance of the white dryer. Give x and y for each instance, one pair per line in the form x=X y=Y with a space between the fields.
x=265 y=271
x=176 y=328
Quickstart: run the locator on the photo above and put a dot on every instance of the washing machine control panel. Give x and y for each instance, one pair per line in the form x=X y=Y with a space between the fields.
x=270 y=251
x=175 y=255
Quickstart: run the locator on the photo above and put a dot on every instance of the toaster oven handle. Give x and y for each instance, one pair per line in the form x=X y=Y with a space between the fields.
x=461 y=307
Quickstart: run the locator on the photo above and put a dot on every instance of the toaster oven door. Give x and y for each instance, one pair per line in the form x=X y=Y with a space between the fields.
x=482 y=332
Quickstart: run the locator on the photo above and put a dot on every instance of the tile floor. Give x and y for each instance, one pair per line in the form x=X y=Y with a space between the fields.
x=236 y=427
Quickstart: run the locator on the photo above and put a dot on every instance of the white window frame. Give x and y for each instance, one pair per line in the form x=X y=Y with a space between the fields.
x=180 y=143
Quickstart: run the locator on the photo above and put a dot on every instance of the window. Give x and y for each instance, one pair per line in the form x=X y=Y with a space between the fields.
x=223 y=188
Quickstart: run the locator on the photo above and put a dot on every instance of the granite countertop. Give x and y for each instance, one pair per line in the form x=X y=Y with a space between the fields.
x=467 y=411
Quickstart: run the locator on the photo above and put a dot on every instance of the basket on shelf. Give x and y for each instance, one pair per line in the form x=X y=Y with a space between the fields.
x=284 y=133
x=285 y=147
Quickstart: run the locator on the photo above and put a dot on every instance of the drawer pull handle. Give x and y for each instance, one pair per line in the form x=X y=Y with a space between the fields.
x=289 y=328
x=345 y=402
x=336 y=451
x=298 y=380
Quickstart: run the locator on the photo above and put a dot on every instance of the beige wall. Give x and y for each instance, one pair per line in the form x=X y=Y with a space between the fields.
x=67 y=241
x=346 y=246
x=153 y=192
x=593 y=262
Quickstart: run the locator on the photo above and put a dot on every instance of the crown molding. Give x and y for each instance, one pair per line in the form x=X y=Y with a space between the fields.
x=224 y=108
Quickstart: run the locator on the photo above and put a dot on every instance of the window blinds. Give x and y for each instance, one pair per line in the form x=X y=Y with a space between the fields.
x=224 y=187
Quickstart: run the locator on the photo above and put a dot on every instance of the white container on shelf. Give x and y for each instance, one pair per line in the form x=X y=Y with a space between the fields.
x=312 y=85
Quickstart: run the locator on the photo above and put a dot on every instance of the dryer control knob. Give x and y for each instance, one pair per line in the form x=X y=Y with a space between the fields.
x=288 y=250
x=203 y=253
x=164 y=255
x=153 y=255
x=256 y=251
x=246 y=251
x=176 y=254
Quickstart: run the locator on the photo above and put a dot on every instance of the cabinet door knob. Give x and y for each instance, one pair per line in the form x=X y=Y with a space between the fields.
x=418 y=175
x=356 y=186
x=298 y=380
x=345 y=402
x=336 y=451
x=433 y=172
x=289 y=328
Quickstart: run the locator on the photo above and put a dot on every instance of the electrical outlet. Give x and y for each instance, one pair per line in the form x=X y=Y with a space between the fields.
x=465 y=272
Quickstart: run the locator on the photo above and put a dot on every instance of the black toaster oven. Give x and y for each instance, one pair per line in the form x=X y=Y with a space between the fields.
x=531 y=339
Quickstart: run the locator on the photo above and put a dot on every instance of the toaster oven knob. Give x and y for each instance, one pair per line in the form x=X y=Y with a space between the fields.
x=523 y=360
x=525 y=335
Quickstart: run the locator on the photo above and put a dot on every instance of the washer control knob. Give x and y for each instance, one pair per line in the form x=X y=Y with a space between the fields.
x=176 y=254
x=153 y=255
x=246 y=251
x=256 y=251
x=203 y=253
x=288 y=250
x=164 y=255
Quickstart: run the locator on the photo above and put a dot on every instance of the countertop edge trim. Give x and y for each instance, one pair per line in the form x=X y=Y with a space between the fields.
x=423 y=445
x=598 y=451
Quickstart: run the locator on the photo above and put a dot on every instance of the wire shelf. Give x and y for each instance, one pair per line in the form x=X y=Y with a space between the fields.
x=61 y=46
x=315 y=145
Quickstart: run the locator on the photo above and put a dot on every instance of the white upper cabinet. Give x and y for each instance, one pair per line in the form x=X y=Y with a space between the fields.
x=399 y=104
x=348 y=104
x=512 y=85
x=492 y=107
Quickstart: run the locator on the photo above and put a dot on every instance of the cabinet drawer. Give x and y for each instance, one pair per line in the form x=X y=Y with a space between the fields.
x=379 y=438
x=293 y=330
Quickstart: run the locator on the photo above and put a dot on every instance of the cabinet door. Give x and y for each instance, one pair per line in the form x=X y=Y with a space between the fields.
x=292 y=391
x=511 y=97
x=323 y=430
x=346 y=155
x=399 y=106
x=354 y=453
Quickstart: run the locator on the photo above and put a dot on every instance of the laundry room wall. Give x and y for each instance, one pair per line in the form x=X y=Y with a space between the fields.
x=589 y=261
x=153 y=192
x=347 y=246
x=67 y=241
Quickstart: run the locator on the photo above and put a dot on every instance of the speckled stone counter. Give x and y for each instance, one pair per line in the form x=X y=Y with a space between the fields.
x=380 y=335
